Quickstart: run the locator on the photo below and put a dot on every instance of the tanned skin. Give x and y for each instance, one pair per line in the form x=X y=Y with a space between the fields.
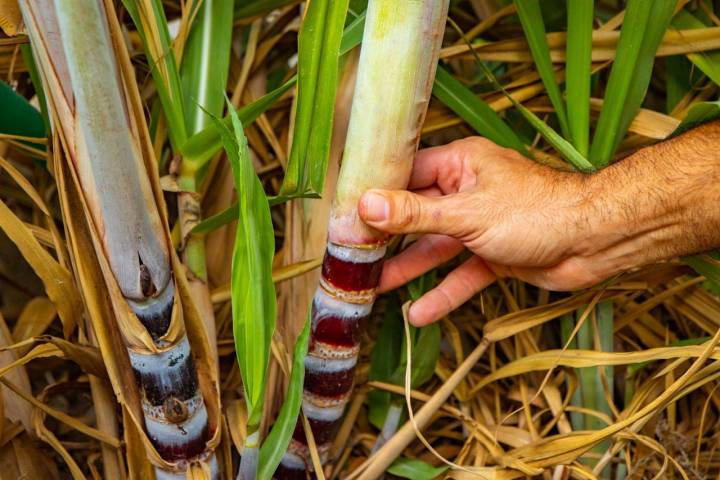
x=554 y=229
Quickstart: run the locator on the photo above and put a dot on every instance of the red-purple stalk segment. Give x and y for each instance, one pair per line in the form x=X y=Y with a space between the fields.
x=341 y=305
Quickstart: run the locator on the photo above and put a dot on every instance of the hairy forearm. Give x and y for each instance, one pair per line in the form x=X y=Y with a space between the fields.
x=659 y=203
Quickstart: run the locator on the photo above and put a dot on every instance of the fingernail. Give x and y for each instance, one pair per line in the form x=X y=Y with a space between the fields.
x=377 y=208
x=415 y=316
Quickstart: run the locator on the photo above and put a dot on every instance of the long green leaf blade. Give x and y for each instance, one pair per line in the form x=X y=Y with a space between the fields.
x=678 y=76
x=353 y=34
x=564 y=147
x=277 y=441
x=318 y=62
x=252 y=289
x=532 y=23
x=579 y=63
x=643 y=28
x=19 y=117
x=203 y=145
x=707 y=62
x=205 y=64
x=149 y=19
x=658 y=22
x=474 y=111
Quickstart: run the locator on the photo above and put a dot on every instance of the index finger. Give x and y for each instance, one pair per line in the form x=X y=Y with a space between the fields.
x=432 y=165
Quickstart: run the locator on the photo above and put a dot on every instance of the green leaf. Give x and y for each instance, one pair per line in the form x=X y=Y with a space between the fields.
x=29 y=60
x=218 y=220
x=205 y=64
x=564 y=147
x=699 y=113
x=578 y=65
x=532 y=23
x=245 y=9
x=384 y=359
x=425 y=340
x=353 y=34
x=678 y=75
x=388 y=360
x=229 y=214
x=318 y=62
x=474 y=111
x=707 y=62
x=19 y=117
x=707 y=265
x=426 y=350
x=642 y=31
x=200 y=148
x=277 y=441
x=149 y=19
x=415 y=469
x=252 y=289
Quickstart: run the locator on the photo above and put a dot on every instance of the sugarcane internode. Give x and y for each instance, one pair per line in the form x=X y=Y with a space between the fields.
x=352 y=272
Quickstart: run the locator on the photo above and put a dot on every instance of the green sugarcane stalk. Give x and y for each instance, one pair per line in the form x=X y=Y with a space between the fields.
x=399 y=54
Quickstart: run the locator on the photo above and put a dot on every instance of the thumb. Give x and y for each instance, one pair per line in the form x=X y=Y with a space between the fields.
x=400 y=211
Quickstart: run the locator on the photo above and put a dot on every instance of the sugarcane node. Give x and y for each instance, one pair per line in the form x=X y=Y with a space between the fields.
x=155 y=311
x=175 y=410
x=358 y=297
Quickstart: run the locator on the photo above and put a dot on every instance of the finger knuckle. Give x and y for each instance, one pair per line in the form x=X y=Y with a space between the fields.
x=478 y=142
x=411 y=211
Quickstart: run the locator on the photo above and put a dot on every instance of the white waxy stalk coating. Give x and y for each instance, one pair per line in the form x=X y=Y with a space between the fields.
x=108 y=158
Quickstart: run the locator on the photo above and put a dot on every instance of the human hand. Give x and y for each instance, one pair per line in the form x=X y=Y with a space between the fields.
x=557 y=230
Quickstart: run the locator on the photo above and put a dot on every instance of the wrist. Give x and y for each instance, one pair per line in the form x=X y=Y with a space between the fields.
x=656 y=204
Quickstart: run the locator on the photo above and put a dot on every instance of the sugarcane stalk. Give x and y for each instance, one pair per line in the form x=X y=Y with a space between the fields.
x=92 y=114
x=399 y=55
